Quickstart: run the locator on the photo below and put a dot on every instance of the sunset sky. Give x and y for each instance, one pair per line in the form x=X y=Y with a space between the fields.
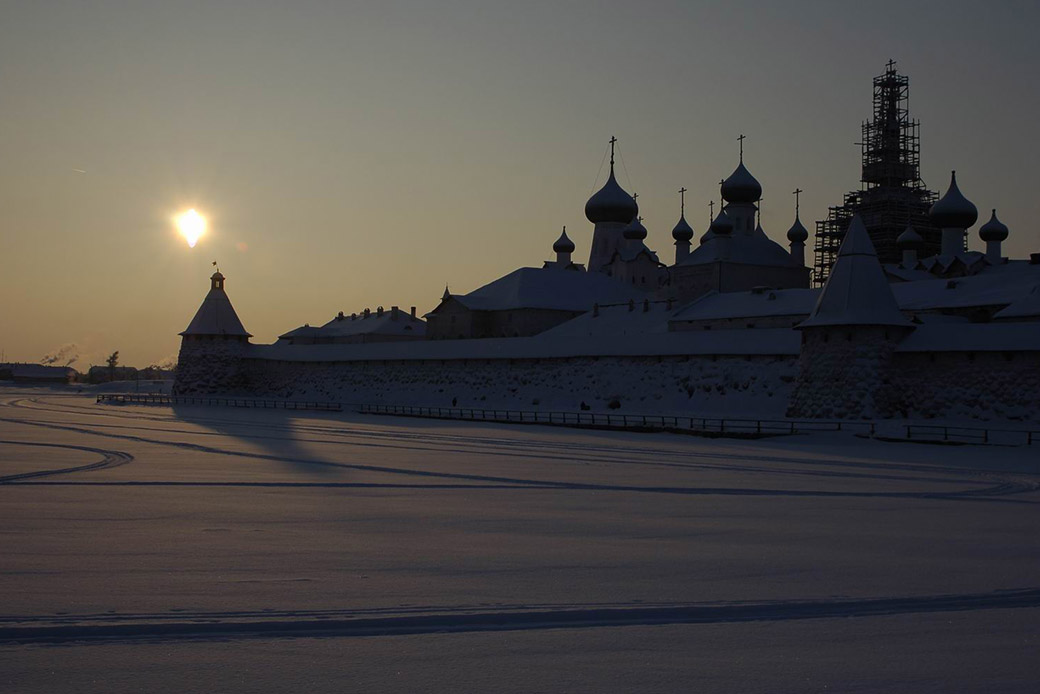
x=351 y=155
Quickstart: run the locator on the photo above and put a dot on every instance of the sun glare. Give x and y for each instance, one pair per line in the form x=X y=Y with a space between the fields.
x=191 y=226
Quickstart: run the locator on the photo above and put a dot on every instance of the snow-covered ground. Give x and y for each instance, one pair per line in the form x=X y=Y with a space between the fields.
x=198 y=550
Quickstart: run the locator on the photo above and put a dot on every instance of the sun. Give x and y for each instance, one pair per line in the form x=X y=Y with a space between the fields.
x=191 y=226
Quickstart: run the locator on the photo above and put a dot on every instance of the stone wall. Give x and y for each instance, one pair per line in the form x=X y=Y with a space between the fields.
x=730 y=386
x=209 y=365
x=983 y=386
x=842 y=373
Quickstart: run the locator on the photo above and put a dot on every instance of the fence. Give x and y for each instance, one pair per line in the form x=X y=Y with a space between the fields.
x=637 y=422
x=160 y=399
x=604 y=420
x=958 y=434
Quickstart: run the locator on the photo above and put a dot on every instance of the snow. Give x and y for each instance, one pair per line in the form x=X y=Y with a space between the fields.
x=219 y=542
x=749 y=249
x=548 y=288
x=751 y=304
x=1027 y=306
x=548 y=345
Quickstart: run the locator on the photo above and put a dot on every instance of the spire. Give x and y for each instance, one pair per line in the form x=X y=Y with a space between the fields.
x=446 y=295
x=856 y=293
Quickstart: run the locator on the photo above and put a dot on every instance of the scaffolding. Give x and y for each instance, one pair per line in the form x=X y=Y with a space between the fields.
x=892 y=195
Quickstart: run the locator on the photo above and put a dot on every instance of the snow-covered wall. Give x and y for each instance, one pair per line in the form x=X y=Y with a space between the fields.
x=724 y=385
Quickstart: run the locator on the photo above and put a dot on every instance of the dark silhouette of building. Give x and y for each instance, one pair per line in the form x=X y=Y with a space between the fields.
x=892 y=195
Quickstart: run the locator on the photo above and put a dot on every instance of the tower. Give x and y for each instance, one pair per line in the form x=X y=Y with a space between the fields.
x=892 y=195
x=212 y=346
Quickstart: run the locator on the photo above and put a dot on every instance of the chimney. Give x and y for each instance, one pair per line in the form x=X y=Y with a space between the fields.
x=393 y=313
x=413 y=313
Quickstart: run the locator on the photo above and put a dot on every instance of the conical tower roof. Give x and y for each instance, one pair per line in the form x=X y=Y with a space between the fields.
x=216 y=315
x=856 y=293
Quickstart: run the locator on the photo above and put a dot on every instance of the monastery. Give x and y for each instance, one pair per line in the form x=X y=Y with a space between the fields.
x=738 y=324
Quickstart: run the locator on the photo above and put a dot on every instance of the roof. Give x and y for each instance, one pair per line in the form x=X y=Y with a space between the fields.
x=781 y=341
x=973 y=337
x=743 y=248
x=617 y=319
x=998 y=285
x=752 y=304
x=216 y=316
x=857 y=292
x=550 y=288
x=1027 y=306
x=373 y=323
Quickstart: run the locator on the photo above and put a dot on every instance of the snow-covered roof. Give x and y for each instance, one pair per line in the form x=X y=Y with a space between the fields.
x=856 y=293
x=1027 y=306
x=973 y=337
x=749 y=249
x=374 y=324
x=756 y=303
x=993 y=286
x=723 y=342
x=631 y=248
x=216 y=315
x=548 y=288
x=617 y=319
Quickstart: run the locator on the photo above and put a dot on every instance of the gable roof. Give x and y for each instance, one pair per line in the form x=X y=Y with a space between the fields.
x=548 y=288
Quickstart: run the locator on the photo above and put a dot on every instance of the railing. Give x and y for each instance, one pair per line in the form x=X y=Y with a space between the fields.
x=604 y=420
x=962 y=434
x=635 y=422
x=161 y=399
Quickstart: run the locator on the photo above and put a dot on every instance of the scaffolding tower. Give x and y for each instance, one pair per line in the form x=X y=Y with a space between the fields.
x=892 y=195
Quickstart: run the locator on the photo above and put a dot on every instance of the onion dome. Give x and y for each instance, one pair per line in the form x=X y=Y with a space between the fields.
x=722 y=225
x=797 y=233
x=635 y=231
x=682 y=231
x=741 y=186
x=910 y=240
x=563 y=244
x=611 y=203
x=953 y=211
x=994 y=229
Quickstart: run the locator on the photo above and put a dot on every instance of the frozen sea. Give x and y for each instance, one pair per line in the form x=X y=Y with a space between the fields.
x=156 y=549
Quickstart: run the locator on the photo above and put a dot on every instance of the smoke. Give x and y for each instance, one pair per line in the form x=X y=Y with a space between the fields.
x=168 y=363
x=66 y=355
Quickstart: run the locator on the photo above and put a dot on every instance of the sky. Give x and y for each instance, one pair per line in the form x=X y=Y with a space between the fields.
x=351 y=155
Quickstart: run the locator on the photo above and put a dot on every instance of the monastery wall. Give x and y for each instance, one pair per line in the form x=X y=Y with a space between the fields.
x=209 y=365
x=965 y=385
x=841 y=374
x=752 y=386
